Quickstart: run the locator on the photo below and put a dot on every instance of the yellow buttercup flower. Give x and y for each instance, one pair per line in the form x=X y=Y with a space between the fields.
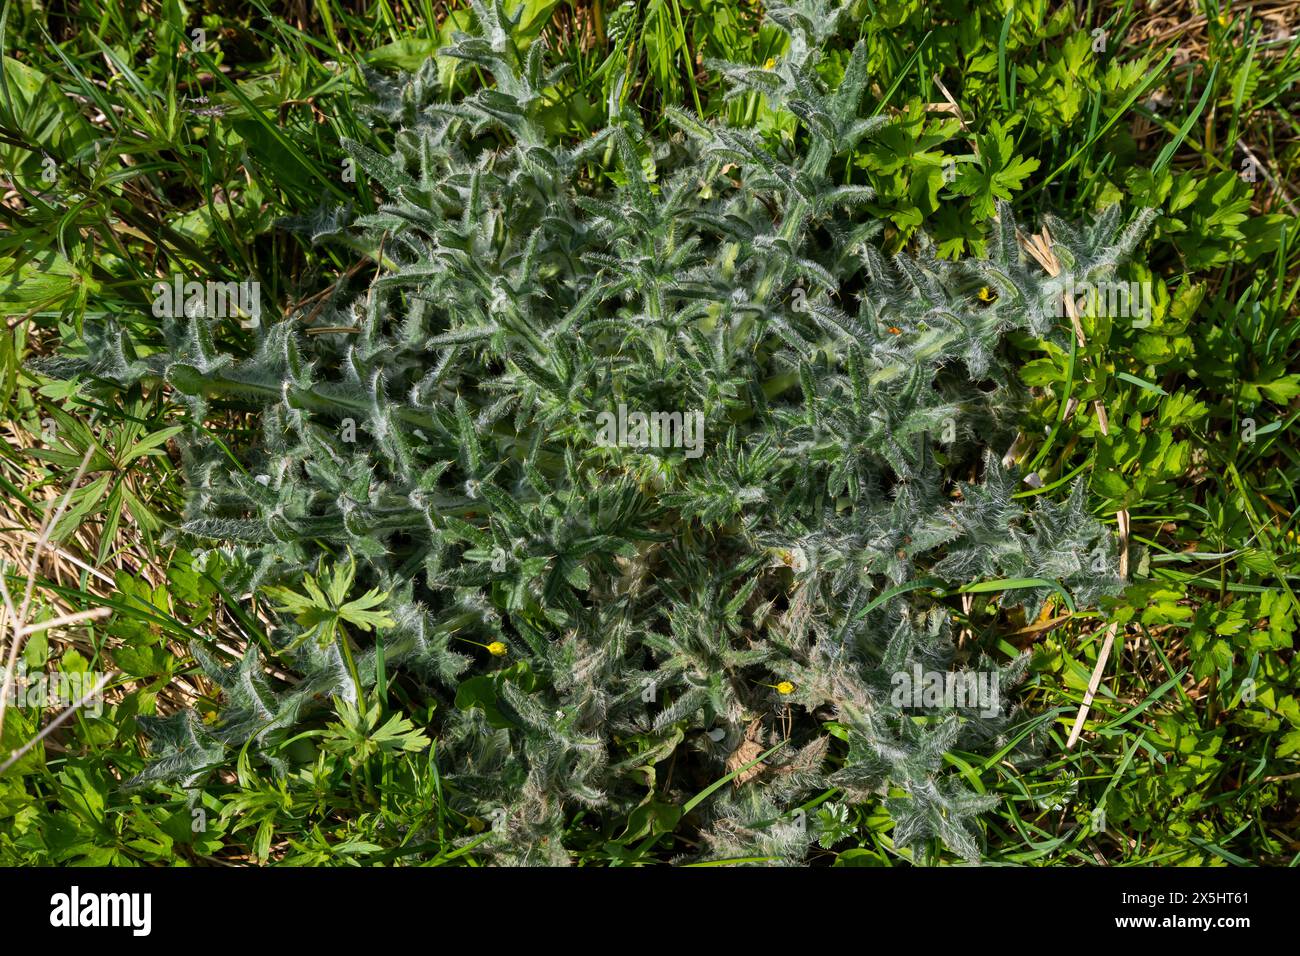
x=496 y=648
x=785 y=687
x=986 y=294
x=771 y=62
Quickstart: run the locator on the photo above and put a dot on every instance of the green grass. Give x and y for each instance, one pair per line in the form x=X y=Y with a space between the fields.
x=1192 y=745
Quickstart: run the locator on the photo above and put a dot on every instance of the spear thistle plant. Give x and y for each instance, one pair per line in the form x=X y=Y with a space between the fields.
x=583 y=612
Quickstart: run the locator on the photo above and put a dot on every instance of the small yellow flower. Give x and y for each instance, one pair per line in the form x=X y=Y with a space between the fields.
x=1224 y=19
x=771 y=62
x=986 y=294
x=497 y=649
x=785 y=687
